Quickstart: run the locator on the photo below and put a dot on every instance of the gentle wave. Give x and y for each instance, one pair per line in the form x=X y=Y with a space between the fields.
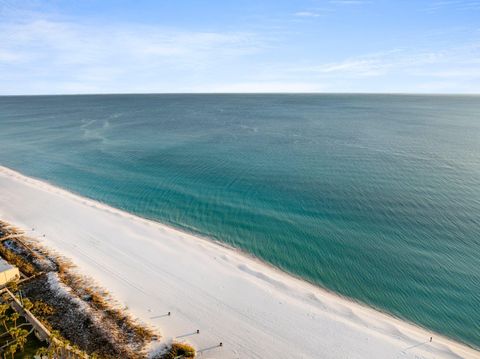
x=375 y=197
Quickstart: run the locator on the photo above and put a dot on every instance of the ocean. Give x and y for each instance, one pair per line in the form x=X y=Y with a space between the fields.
x=375 y=197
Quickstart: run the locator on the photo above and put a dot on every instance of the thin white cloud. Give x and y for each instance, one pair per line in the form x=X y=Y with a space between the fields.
x=462 y=5
x=306 y=14
x=377 y=64
x=350 y=2
x=7 y=56
x=456 y=69
x=47 y=54
x=71 y=43
x=69 y=56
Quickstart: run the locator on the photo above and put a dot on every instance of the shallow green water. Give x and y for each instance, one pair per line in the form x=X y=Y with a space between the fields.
x=374 y=196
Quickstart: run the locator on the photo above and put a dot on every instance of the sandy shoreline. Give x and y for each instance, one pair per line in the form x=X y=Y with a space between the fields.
x=254 y=309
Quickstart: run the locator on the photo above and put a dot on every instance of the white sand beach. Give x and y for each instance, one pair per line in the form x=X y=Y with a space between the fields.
x=255 y=310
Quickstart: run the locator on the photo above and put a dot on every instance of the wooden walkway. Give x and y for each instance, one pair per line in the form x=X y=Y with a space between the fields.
x=41 y=331
x=10 y=236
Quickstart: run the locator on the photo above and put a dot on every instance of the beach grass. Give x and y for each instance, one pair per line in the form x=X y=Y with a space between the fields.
x=179 y=350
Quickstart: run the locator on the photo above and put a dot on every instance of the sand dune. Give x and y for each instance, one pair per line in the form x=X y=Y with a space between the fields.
x=254 y=309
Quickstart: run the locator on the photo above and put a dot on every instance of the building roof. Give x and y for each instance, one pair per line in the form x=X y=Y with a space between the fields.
x=4 y=265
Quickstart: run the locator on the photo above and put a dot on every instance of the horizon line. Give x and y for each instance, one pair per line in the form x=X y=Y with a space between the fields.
x=248 y=93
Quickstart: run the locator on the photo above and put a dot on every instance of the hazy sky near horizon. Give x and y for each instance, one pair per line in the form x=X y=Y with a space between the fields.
x=117 y=46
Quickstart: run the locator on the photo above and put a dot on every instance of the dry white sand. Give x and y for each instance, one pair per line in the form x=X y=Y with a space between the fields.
x=254 y=309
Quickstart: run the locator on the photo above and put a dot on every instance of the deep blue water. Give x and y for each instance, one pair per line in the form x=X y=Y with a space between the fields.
x=376 y=197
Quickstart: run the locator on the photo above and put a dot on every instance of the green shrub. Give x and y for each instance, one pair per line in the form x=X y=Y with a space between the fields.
x=181 y=350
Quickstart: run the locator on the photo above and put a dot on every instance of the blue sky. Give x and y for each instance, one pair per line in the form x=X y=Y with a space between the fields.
x=102 y=46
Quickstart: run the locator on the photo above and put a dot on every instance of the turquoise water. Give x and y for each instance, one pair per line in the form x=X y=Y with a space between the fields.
x=376 y=197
